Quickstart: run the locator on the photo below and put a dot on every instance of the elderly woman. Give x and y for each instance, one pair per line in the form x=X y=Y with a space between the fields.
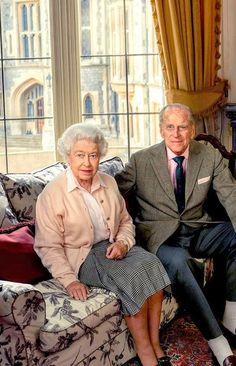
x=87 y=238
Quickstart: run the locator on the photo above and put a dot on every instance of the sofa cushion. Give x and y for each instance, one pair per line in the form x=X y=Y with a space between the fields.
x=70 y=318
x=111 y=166
x=49 y=172
x=22 y=189
x=18 y=260
x=7 y=216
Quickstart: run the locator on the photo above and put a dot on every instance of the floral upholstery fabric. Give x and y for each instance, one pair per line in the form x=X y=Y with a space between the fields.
x=41 y=325
x=22 y=189
x=48 y=173
x=7 y=216
x=72 y=318
x=111 y=166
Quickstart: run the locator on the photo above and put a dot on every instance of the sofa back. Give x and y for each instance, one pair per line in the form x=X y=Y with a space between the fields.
x=19 y=191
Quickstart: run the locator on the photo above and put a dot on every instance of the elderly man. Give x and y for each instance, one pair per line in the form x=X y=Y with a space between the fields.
x=171 y=182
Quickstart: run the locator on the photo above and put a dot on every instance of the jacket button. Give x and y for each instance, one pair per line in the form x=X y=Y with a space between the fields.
x=108 y=218
x=101 y=201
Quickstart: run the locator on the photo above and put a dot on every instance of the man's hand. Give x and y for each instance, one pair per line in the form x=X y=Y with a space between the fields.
x=78 y=290
x=117 y=250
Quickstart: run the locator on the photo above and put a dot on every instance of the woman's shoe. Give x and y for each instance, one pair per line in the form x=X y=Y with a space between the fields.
x=164 y=361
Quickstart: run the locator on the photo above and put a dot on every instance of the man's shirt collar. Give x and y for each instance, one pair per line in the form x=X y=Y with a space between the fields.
x=171 y=154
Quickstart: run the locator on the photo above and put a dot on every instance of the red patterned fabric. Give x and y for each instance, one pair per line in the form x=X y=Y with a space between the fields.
x=18 y=260
x=183 y=342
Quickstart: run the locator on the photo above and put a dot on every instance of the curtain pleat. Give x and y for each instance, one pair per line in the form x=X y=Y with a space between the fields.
x=65 y=63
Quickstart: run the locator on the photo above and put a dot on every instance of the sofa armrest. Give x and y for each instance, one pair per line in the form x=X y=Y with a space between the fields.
x=22 y=314
x=22 y=305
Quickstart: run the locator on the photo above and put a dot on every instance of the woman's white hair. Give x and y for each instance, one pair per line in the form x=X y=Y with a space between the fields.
x=81 y=131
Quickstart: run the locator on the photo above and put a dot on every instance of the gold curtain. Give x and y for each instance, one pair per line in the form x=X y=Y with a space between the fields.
x=188 y=38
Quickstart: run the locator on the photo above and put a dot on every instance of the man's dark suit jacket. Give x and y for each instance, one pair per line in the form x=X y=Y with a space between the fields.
x=147 y=176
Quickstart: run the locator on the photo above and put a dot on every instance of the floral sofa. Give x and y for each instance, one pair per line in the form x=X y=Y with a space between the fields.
x=39 y=323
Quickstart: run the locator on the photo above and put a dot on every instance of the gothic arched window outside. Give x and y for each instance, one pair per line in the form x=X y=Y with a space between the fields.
x=24 y=18
x=88 y=106
x=86 y=28
x=30 y=35
x=30 y=109
x=35 y=104
x=26 y=46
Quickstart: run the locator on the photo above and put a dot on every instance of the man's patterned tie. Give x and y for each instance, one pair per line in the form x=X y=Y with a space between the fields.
x=180 y=183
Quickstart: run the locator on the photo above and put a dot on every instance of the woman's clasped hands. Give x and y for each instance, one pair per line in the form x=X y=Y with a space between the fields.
x=117 y=250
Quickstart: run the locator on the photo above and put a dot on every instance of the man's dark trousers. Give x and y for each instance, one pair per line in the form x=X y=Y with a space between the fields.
x=211 y=241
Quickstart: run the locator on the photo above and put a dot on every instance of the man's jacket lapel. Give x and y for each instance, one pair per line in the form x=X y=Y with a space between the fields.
x=159 y=163
x=194 y=164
